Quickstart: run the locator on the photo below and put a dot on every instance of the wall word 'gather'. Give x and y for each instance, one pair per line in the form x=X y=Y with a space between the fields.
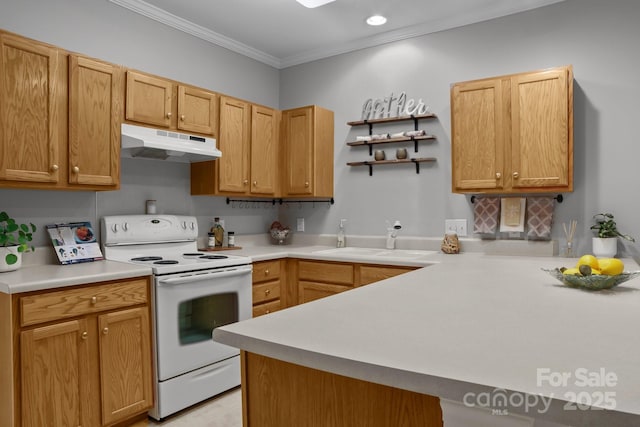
x=392 y=106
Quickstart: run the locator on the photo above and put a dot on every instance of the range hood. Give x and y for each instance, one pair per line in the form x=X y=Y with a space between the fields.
x=149 y=143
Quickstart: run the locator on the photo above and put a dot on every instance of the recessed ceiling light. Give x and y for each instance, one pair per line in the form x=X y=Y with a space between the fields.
x=313 y=3
x=375 y=20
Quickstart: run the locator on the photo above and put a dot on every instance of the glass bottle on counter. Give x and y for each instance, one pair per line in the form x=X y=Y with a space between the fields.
x=218 y=232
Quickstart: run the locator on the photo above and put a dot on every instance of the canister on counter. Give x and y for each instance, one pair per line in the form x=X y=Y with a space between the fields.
x=231 y=239
x=211 y=240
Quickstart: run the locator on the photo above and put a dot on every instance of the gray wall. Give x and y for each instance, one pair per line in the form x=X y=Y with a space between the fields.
x=598 y=38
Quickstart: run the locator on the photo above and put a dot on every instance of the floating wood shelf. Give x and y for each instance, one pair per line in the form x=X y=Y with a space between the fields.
x=370 y=144
x=391 y=119
x=370 y=163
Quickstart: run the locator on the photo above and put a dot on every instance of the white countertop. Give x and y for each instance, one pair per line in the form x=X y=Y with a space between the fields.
x=469 y=323
x=49 y=276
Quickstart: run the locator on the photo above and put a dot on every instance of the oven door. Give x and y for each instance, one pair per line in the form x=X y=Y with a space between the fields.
x=189 y=306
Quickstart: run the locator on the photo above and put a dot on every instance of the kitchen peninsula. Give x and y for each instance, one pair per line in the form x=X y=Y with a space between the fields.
x=467 y=326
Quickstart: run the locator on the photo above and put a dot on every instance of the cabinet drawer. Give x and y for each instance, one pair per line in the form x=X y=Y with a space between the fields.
x=63 y=304
x=371 y=273
x=266 y=291
x=340 y=273
x=266 y=270
x=266 y=308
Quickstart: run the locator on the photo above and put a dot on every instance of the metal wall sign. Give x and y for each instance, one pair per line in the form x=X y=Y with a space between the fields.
x=393 y=106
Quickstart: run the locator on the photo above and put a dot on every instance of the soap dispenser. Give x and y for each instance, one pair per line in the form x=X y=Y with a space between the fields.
x=342 y=239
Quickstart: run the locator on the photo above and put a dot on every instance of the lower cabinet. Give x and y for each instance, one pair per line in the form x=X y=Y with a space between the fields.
x=268 y=280
x=84 y=355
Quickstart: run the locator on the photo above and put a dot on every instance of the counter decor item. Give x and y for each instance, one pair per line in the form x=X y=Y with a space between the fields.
x=150 y=207
x=568 y=234
x=594 y=282
x=218 y=232
x=279 y=232
x=74 y=242
x=605 y=244
x=14 y=241
x=450 y=244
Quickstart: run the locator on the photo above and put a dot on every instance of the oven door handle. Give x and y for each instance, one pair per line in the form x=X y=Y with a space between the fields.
x=198 y=277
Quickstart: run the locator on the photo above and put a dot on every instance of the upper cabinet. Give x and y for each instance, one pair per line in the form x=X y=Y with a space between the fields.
x=60 y=118
x=249 y=142
x=32 y=111
x=308 y=152
x=163 y=103
x=95 y=111
x=514 y=133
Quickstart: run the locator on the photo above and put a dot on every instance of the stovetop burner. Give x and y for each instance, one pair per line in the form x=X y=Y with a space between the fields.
x=193 y=254
x=214 y=257
x=147 y=258
x=166 y=262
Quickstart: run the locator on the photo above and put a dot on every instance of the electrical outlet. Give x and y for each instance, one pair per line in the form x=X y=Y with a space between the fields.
x=300 y=224
x=458 y=226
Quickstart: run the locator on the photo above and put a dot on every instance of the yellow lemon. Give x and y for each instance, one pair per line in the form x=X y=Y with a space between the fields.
x=573 y=271
x=611 y=266
x=589 y=260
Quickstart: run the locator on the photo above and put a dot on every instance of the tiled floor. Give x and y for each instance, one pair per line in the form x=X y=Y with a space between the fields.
x=224 y=410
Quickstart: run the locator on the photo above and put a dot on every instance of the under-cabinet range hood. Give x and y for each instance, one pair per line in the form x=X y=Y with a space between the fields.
x=149 y=143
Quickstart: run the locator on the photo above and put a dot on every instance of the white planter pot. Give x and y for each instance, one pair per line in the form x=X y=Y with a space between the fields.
x=604 y=247
x=4 y=251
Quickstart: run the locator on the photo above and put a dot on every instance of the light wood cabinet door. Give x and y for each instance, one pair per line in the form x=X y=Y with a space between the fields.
x=311 y=291
x=149 y=99
x=308 y=152
x=32 y=110
x=541 y=150
x=514 y=133
x=125 y=371
x=264 y=150
x=55 y=376
x=233 y=166
x=478 y=135
x=374 y=273
x=197 y=110
x=95 y=115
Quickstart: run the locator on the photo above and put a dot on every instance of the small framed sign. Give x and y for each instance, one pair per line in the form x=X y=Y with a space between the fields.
x=74 y=242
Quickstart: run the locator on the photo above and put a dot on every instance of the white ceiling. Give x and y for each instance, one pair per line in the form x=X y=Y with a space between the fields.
x=282 y=33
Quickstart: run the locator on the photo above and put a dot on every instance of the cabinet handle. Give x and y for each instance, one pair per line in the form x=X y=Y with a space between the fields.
x=255 y=183
x=498 y=175
x=54 y=168
x=267 y=311
x=267 y=292
x=245 y=182
x=94 y=300
x=182 y=117
x=168 y=115
x=306 y=184
x=84 y=335
x=266 y=272
x=516 y=175
x=76 y=169
x=105 y=331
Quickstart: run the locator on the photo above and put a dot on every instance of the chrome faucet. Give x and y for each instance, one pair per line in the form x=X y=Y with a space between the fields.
x=392 y=233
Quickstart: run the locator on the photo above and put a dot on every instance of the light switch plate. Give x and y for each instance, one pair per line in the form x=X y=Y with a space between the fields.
x=300 y=224
x=458 y=226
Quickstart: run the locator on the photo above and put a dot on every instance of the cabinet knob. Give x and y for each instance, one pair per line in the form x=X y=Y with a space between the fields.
x=182 y=117
x=168 y=115
x=266 y=272
x=267 y=311
x=245 y=182
x=255 y=183
x=76 y=169
x=105 y=331
x=54 y=168
x=306 y=184
x=267 y=292
x=498 y=175
x=516 y=175
x=94 y=300
x=84 y=335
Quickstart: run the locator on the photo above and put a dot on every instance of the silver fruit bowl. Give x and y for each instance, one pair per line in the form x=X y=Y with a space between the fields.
x=280 y=235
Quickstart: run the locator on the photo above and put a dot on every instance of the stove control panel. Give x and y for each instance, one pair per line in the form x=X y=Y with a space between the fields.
x=138 y=229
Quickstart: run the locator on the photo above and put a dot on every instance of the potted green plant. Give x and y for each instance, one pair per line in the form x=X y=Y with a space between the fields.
x=14 y=240
x=606 y=242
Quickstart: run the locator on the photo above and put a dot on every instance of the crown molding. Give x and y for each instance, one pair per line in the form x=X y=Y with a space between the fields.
x=164 y=17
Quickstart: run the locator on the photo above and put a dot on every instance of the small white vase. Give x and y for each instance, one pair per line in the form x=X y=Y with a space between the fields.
x=4 y=251
x=606 y=247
